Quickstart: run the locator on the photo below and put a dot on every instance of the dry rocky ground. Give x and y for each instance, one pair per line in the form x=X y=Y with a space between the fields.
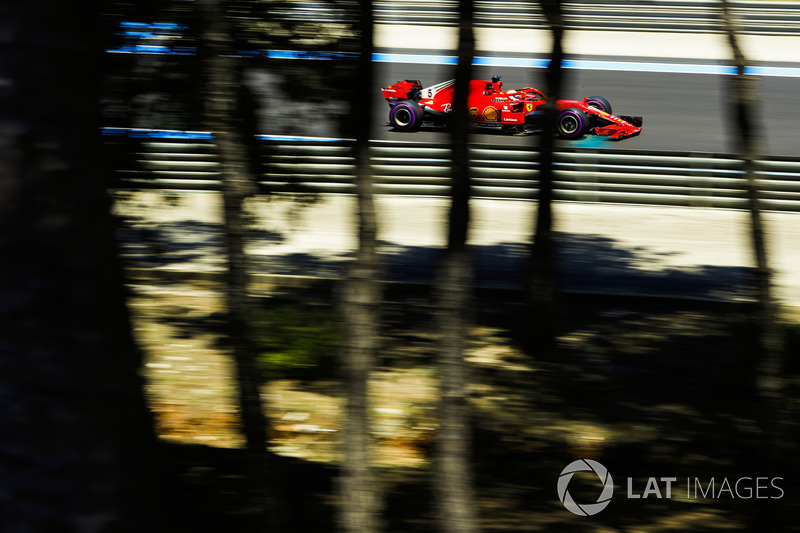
x=636 y=389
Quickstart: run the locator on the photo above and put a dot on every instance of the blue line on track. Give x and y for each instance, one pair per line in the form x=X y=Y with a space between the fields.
x=138 y=133
x=514 y=62
x=141 y=133
x=293 y=138
x=628 y=66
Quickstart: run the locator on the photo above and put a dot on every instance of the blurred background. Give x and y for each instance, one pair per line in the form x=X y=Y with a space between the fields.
x=644 y=354
x=317 y=348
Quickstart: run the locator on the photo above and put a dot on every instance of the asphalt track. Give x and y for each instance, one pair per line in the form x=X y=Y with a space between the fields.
x=624 y=249
x=675 y=81
x=682 y=112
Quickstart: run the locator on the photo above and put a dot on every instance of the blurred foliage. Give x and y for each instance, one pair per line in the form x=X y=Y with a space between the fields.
x=792 y=340
x=297 y=341
x=292 y=24
x=792 y=330
x=164 y=90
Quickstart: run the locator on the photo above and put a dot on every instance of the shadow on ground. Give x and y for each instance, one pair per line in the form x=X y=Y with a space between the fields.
x=651 y=387
x=586 y=263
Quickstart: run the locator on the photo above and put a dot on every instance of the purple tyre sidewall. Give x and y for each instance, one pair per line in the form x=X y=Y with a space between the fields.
x=599 y=104
x=412 y=113
x=579 y=117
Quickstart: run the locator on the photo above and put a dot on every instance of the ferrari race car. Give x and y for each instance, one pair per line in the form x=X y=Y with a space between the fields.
x=516 y=111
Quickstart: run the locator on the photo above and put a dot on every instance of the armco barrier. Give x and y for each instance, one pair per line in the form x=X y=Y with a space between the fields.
x=583 y=175
x=758 y=17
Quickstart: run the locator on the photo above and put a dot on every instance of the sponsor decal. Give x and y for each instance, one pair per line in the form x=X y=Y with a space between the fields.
x=473 y=112
x=490 y=113
x=433 y=90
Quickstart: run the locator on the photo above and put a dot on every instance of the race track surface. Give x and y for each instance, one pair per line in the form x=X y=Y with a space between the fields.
x=682 y=112
x=673 y=80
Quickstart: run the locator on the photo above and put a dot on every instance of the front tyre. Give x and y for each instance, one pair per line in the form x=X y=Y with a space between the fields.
x=598 y=102
x=572 y=123
x=406 y=116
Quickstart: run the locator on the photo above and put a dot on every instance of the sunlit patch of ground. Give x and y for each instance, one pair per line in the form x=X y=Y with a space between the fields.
x=607 y=395
x=191 y=387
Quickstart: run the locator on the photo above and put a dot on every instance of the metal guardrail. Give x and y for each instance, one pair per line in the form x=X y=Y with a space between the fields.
x=405 y=168
x=755 y=17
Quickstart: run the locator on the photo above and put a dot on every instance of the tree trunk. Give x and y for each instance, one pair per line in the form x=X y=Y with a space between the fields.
x=237 y=185
x=78 y=449
x=359 y=500
x=553 y=80
x=542 y=272
x=769 y=384
x=456 y=511
x=769 y=376
x=743 y=99
x=453 y=478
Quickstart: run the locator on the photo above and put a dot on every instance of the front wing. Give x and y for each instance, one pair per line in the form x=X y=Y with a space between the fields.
x=618 y=127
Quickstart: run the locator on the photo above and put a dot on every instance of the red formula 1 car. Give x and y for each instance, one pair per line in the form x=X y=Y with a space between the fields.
x=513 y=111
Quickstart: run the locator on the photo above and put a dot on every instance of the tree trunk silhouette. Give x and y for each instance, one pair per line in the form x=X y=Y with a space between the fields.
x=453 y=478
x=743 y=99
x=78 y=449
x=237 y=185
x=542 y=271
x=358 y=493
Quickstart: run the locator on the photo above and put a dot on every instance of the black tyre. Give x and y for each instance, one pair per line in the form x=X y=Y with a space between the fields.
x=572 y=123
x=406 y=116
x=598 y=102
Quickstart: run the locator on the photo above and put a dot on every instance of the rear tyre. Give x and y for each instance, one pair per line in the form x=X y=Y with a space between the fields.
x=572 y=123
x=598 y=102
x=406 y=116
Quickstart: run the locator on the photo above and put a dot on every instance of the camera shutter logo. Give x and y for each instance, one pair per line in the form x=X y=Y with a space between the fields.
x=586 y=509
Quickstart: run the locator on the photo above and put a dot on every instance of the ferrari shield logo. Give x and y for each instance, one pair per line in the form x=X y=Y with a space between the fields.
x=528 y=107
